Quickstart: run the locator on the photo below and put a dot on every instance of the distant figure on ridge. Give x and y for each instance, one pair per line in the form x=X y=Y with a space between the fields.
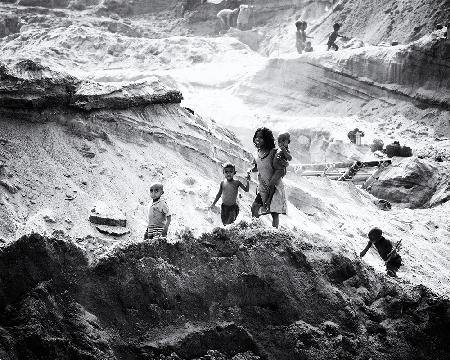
x=300 y=35
x=159 y=215
x=225 y=17
x=229 y=190
x=280 y=163
x=243 y=19
x=387 y=252
x=263 y=164
x=333 y=37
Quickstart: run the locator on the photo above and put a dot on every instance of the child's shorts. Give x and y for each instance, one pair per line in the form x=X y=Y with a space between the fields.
x=394 y=263
x=229 y=213
x=152 y=232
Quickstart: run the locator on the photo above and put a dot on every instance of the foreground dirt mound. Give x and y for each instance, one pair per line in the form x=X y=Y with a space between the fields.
x=241 y=293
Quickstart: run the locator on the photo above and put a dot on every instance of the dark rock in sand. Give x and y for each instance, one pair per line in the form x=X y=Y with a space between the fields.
x=51 y=4
x=91 y=95
x=411 y=182
x=9 y=24
x=103 y=215
x=113 y=230
x=383 y=204
x=27 y=84
x=10 y=187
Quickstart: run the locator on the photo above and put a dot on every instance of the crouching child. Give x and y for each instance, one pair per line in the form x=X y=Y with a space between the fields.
x=387 y=251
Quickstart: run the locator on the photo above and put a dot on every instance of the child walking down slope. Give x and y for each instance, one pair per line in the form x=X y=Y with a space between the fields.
x=228 y=190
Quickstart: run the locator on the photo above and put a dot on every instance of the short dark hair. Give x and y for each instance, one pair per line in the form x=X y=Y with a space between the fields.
x=156 y=185
x=336 y=26
x=375 y=233
x=267 y=135
x=228 y=165
x=284 y=136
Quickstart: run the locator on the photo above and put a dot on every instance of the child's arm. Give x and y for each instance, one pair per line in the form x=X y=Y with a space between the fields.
x=219 y=194
x=362 y=253
x=166 y=227
x=246 y=188
x=253 y=168
x=286 y=153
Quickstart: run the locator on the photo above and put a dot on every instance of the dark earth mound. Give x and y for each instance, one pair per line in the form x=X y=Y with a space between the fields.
x=240 y=293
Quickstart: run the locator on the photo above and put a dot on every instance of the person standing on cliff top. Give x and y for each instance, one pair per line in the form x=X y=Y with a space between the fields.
x=300 y=35
x=244 y=17
x=229 y=190
x=333 y=37
x=299 y=41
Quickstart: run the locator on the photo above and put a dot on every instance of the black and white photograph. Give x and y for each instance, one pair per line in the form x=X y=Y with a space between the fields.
x=224 y=180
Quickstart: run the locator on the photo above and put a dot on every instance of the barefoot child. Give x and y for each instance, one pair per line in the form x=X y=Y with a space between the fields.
x=280 y=162
x=159 y=215
x=263 y=164
x=229 y=191
x=387 y=252
x=333 y=37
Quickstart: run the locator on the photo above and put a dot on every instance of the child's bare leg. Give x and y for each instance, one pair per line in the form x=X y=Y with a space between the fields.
x=275 y=220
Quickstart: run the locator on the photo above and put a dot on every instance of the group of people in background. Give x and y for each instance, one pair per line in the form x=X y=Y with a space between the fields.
x=243 y=13
x=240 y=16
x=303 y=45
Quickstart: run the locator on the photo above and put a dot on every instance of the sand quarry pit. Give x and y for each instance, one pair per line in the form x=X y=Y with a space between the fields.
x=99 y=99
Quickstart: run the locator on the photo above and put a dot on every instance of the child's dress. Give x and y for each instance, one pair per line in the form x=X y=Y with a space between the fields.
x=265 y=172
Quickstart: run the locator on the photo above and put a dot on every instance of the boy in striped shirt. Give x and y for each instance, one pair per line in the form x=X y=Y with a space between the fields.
x=159 y=215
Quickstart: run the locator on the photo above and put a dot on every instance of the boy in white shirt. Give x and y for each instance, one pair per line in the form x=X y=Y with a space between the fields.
x=159 y=215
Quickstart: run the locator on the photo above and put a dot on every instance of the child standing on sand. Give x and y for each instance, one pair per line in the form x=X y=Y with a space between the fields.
x=159 y=215
x=229 y=190
x=263 y=164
